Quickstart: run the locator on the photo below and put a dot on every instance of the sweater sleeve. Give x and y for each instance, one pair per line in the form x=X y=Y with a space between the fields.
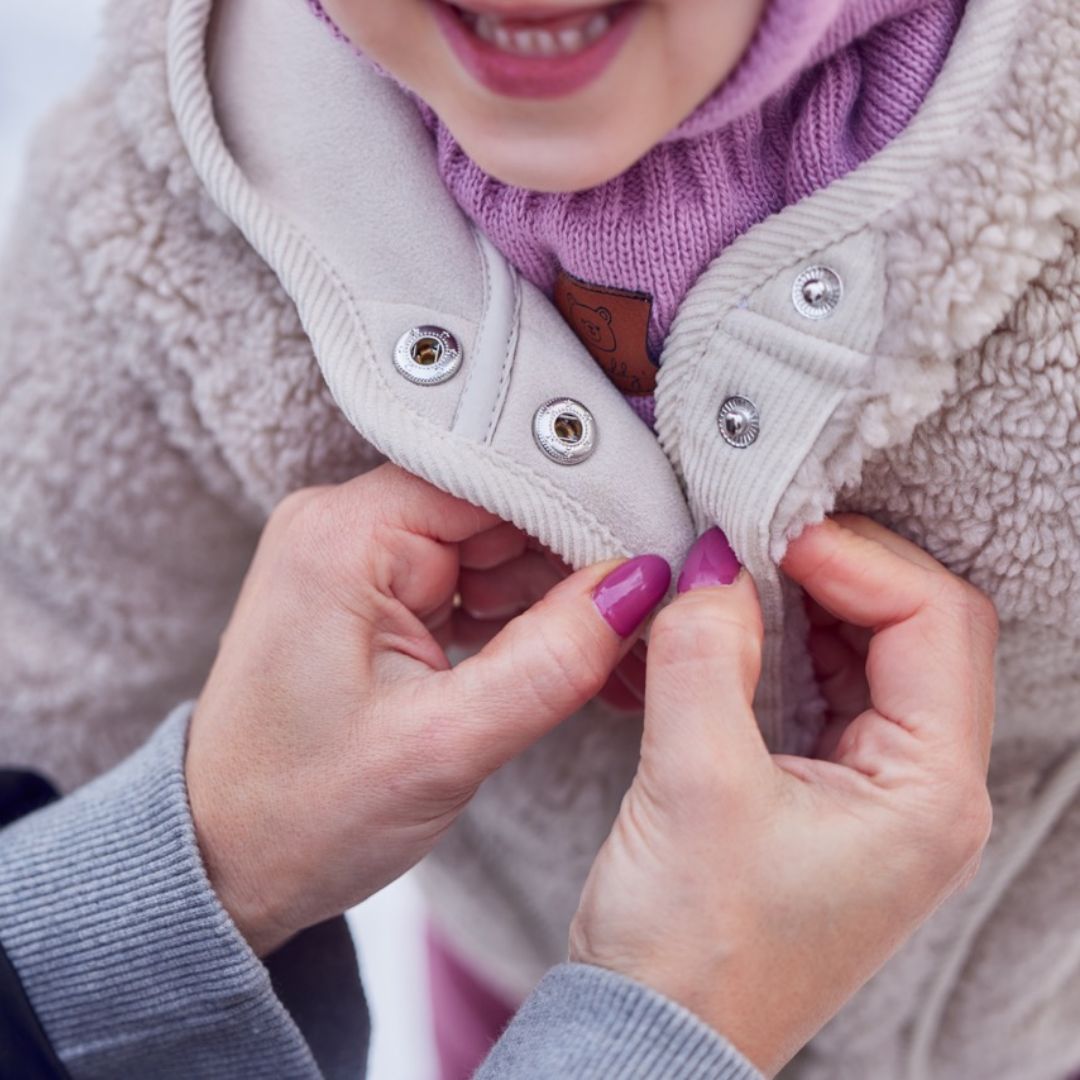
x=130 y=963
x=133 y=968
x=587 y=1023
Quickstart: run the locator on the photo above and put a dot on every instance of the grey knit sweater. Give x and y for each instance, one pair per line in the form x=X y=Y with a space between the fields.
x=135 y=969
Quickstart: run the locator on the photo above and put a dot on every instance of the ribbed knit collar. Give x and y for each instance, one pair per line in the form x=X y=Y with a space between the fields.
x=793 y=36
x=823 y=86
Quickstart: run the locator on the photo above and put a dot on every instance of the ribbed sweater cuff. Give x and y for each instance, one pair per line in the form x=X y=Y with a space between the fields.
x=584 y=1022
x=132 y=965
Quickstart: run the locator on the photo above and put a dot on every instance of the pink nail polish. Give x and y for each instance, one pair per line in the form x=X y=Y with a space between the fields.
x=628 y=595
x=710 y=562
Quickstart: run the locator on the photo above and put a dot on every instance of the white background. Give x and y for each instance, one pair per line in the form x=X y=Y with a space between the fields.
x=46 y=48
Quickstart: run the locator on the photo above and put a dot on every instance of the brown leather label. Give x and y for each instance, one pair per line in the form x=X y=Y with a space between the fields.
x=613 y=325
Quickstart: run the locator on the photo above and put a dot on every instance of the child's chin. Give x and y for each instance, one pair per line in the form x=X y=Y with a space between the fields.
x=550 y=163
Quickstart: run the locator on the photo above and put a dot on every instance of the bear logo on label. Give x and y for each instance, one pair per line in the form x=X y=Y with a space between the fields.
x=613 y=324
x=592 y=325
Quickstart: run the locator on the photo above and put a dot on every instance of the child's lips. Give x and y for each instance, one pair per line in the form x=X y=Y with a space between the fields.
x=535 y=52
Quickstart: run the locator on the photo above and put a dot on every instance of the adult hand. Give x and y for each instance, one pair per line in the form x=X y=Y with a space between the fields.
x=333 y=744
x=762 y=891
x=507 y=572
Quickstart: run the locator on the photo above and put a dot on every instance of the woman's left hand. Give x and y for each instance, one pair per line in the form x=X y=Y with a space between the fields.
x=762 y=891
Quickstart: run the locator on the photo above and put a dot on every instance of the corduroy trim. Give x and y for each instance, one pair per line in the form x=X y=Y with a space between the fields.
x=975 y=65
x=695 y=353
x=332 y=319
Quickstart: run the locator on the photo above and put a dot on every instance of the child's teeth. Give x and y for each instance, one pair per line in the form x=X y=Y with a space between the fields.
x=571 y=40
x=538 y=42
x=597 y=27
x=546 y=42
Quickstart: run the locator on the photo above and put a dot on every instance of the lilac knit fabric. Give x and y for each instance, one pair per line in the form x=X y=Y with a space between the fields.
x=824 y=85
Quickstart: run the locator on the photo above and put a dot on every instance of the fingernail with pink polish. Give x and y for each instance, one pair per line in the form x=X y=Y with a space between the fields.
x=710 y=562
x=628 y=595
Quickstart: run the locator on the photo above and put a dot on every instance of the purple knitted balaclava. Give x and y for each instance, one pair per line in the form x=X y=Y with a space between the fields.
x=823 y=86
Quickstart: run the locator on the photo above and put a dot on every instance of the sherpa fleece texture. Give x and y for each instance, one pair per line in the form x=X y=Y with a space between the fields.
x=158 y=396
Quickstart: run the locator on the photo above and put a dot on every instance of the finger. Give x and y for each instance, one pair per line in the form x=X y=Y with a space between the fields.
x=625 y=690
x=413 y=529
x=864 y=526
x=703 y=668
x=493 y=547
x=440 y=619
x=557 y=561
x=547 y=663
x=930 y=662
x=509 y=589
x=465 y=632
x=857 y=638
x=390 y=497
x=840 y=673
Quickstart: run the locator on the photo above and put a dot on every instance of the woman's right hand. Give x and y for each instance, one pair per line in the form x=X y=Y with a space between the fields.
x=762 y=891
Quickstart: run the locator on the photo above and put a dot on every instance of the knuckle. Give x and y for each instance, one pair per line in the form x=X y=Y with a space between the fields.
x=971 y=823
x=292 y=506
x=984 y=612
x=969 y=873
x=981 y=820
x=300 y=528
x=581 y=663
x=971 y=602
x=699 y=632
x=952 y=593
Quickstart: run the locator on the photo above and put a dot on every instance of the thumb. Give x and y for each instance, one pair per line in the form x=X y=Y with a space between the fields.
x=703 y=668
x=547 y=663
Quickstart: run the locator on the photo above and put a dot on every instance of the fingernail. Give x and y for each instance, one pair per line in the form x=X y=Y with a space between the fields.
x=628 y=595
x=710 y=562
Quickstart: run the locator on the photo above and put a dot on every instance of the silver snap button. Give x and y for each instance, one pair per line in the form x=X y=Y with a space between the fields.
x=427 y=355
x=817 y=292
x=565 y=430
x=740 y=422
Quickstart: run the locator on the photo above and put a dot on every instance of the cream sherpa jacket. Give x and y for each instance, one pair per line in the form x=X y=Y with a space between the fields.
x=220 y=245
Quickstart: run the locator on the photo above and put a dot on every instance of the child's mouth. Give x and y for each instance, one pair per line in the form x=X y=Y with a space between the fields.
x=537 y=52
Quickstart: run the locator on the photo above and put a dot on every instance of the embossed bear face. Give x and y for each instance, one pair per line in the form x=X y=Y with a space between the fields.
x=593 y=325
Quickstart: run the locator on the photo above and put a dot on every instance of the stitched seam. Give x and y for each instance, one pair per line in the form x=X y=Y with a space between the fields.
x=509 y=352
x=681 y=383
x=485 y=313
x=260 y=213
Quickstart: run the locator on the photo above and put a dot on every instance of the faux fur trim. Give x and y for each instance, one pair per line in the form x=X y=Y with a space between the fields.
x=959 y=255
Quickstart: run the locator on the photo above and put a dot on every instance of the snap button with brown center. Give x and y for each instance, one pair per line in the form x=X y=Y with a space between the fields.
x=565 y=430
x=427 y=355
x=817 y=292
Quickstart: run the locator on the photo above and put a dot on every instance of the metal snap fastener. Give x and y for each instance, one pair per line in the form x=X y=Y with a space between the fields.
x=740 y=422
x=817 y=292
x=427 y=355
x=565 y=430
